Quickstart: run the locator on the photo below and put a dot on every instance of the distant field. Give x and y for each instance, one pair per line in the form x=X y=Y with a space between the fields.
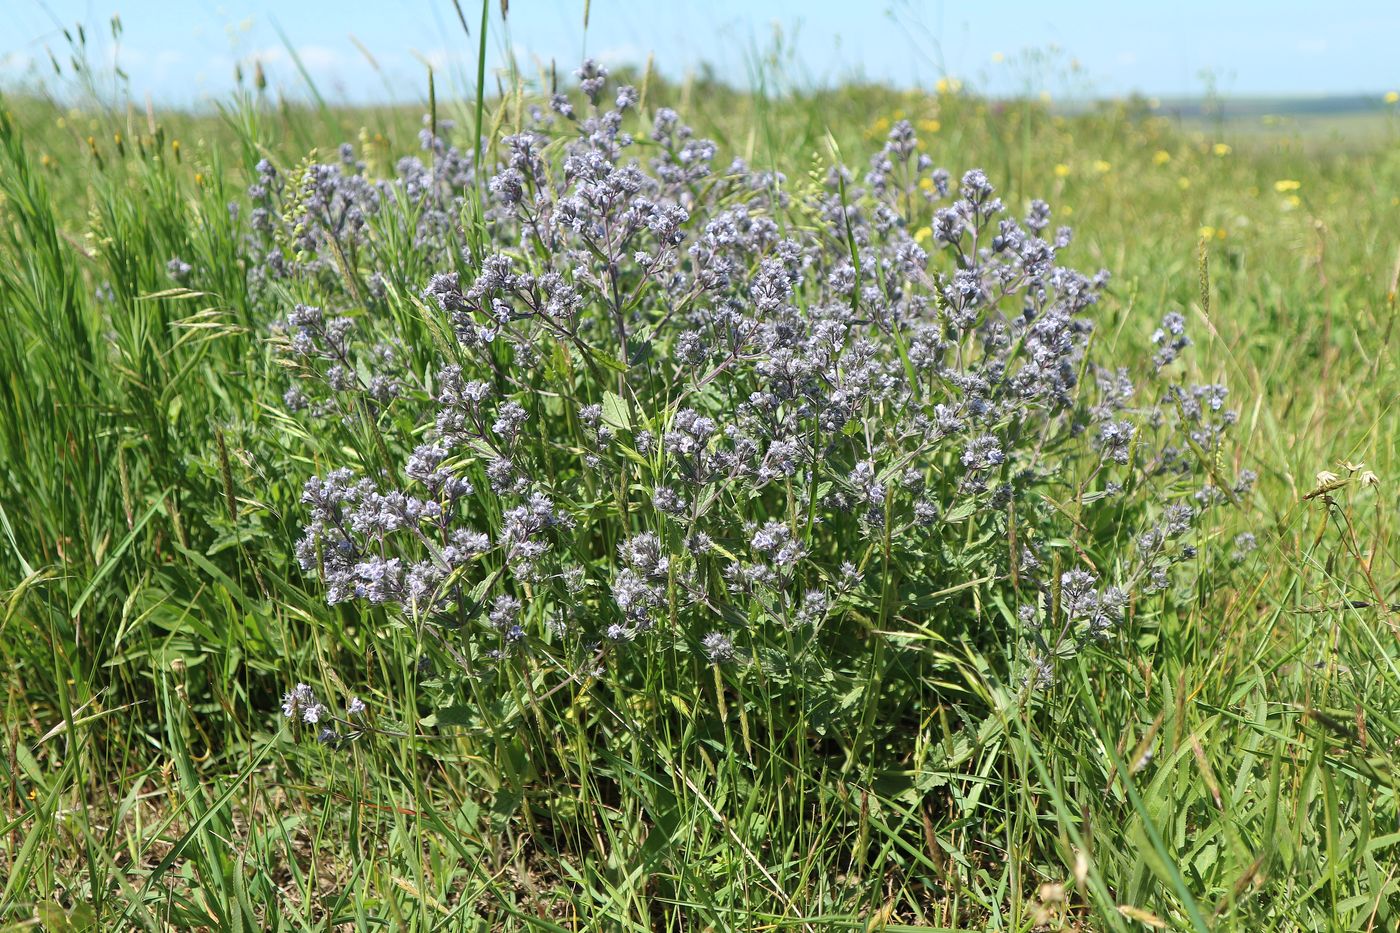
x=1352 y=122
x=1355 y=131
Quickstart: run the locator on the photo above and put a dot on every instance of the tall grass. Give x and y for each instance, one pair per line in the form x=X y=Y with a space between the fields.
x=1236 y=771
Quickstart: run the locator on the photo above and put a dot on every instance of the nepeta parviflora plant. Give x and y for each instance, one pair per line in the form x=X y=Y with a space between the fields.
x=684 y=414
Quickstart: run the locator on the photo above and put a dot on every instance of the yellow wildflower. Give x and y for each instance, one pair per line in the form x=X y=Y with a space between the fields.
x=1392 y=97
x=1102 y=167
x=1183 y=182
x=923 y=234
x=929 y=126
x=1061 y=170
x=1287 y=184
x=1161 y=157
x=1221 y=149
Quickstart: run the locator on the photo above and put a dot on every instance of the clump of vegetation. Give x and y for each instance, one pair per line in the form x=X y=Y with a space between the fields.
x=682 y=413
x=679 y=415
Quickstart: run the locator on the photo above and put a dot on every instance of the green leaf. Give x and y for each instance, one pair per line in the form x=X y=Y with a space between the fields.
x=608 y=361
x=458 y=714
x=116 y=555
x=615 y=412
x=962 y=511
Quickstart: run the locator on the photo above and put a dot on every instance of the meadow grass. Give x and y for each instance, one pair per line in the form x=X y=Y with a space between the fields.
x=1234 y=770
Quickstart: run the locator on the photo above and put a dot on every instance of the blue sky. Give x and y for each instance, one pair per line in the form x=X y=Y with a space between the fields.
x=185 y=51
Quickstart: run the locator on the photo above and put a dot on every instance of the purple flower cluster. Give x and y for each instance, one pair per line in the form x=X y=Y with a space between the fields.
x=316 y=222
x=687 y=404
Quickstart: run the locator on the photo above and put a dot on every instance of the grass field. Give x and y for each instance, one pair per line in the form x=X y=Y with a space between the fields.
x=1235 y=767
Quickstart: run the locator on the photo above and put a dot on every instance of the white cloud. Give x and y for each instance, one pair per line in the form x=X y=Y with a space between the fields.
x=627 y=54
x=125 y=56
x=317 y=58
x=16 y=63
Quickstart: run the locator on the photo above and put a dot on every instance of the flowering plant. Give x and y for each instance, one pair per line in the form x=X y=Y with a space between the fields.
x=654 y=411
